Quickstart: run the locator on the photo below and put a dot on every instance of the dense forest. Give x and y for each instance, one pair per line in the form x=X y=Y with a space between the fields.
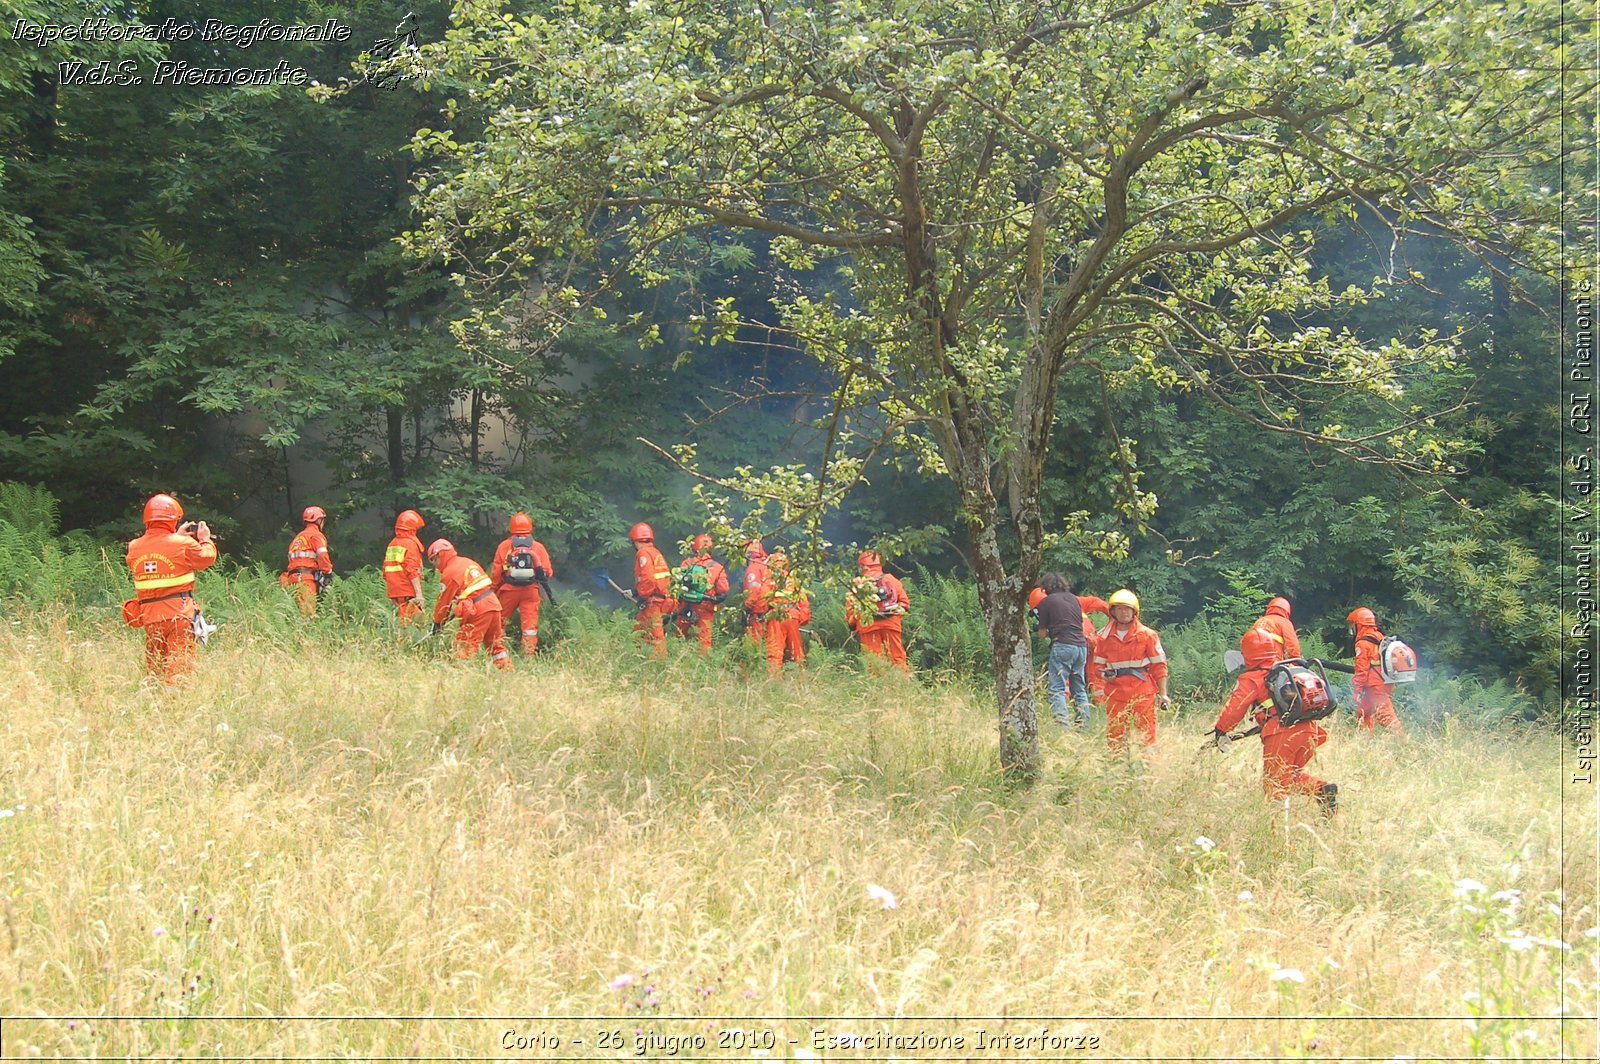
x=258 y=297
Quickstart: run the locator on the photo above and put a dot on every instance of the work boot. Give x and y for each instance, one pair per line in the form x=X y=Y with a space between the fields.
x=1328 y=798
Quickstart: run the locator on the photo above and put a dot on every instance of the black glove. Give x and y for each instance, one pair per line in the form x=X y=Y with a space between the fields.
x=1220 y=740
x=437 y=627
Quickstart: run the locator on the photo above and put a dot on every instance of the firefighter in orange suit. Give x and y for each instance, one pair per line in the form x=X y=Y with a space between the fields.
x=468 y=593
x=163 y=562
x=1285 y=751
x=1373 y=702
x=880 y=634
x=788 y=607
x=402 y=566
x=698 y=615
x=652 y=589
x=521 y=564
x=310 y=566
x=1133 y=667
x=757 y=586
x=1276 y=623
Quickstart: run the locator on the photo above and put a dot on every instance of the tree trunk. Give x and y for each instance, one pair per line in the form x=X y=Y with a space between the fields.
x=40 y=125
x=1001 y=599
x=416 y=436
x=964 y=441
x=397 y=446
x=1003 y=614
x=475 y=426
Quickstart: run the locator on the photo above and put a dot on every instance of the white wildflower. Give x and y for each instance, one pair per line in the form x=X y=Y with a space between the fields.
x=1517 y=940
x=881 y=895
x=1291 y=975
x=1465 y=887
x=1205 y=844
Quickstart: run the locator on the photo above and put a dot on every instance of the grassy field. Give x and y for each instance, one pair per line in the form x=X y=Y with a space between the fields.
x=592 y=851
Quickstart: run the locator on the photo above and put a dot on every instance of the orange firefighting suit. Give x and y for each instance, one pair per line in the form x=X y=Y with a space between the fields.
x=163 y=562
x=881 y=634
x=1131 y=664
x=698 y=615
x=1275 y=622
x=1091 y=670
x=521 y=599
x=469 y=594
x=308 y=556
x=1285 y=752
x=1373 y=702
x=788 y=608
x=402 y=574
x=757 y=586
x=652 y=584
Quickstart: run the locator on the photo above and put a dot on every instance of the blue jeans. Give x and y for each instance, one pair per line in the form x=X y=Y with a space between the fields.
x=1067 y=661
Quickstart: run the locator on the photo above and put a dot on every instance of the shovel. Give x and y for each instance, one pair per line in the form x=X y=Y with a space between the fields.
x=602 y=580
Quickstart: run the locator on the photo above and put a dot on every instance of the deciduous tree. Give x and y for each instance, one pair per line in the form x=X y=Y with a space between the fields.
x=1006 y=190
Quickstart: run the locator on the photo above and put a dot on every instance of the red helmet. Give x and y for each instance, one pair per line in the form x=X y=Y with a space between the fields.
x=754 y=550
x=869 y=559
x=313 y=513
x=1362 y=617
x=439 y=548
x=1279 y=605
x=1035 y=597
x=408 y=521
x=1260 y=649
x=162 y=508
x=521 y=524
x=642 y=533
x=702 y=542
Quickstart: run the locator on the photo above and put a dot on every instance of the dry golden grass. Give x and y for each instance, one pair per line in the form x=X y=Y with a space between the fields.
x=350 y=833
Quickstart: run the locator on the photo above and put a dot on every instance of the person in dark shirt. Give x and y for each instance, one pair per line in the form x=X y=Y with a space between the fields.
x=1061 y=621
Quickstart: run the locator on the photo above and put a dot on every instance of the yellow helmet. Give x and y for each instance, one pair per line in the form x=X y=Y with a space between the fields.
x=1124 y=597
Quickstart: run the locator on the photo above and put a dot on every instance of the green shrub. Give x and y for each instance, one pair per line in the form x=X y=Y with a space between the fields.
x=39 y=566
